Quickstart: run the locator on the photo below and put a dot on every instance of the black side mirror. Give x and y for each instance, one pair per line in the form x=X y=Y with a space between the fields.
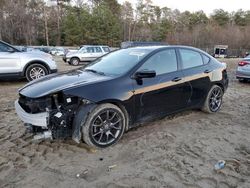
x=145 y=74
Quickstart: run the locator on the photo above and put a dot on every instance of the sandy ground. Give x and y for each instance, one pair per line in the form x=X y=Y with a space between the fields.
x=178 y=151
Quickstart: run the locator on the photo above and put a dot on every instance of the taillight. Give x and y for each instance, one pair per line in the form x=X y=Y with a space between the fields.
x=243 y=63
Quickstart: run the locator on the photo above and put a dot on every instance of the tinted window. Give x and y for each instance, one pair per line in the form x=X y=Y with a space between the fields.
x=190 y=58
x=98 y=50
x=4 y=48
x=118 y=62
x=162 y=62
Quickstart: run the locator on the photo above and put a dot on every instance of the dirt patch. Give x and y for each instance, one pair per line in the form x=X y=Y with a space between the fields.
x=173 y=152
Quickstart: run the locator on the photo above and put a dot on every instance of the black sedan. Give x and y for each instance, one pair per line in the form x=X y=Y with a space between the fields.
x=118 y=91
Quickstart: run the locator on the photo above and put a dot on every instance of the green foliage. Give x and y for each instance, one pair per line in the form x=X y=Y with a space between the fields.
x=76 y=25
x=32 y=22
x=221 y=17
x=105 y=27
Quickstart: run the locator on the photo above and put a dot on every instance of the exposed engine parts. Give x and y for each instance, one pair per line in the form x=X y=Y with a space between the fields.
x=61 y=110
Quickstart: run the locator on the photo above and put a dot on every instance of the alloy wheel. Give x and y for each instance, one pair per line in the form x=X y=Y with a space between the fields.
x=215 y=99
x=37 y=72
x=106 y=127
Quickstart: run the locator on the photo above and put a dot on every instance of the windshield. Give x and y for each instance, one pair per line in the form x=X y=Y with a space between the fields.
x=118 y=62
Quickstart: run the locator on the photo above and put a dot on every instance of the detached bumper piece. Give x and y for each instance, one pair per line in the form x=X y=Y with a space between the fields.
x=38 y=119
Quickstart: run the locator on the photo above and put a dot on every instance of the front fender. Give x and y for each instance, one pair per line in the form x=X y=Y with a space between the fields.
x=80 y=119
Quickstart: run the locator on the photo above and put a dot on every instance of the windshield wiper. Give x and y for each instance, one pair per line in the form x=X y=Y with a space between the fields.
x=94 y=71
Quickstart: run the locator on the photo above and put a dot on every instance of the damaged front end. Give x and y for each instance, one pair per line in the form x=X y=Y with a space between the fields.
x=52 y=116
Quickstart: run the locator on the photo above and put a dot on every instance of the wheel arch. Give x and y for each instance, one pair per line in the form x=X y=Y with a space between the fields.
x=75 y=57
x=220 y=85
x=35 y=62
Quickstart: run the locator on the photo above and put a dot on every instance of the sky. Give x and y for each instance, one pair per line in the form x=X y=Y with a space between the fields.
x=206 y=5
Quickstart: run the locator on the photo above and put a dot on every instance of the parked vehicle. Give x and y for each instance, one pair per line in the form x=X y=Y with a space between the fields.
x=44 y=49
x=129 y=44
x=243 y=69
x=100 y=102
x=18 y=64
x=86 y=54
x=57 y=51
x=220 y=51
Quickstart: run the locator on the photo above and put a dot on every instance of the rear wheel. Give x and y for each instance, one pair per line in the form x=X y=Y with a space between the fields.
x=74 y=61
x=242 y=80
x=214 y=100
x=35 y=71
x=104 y=126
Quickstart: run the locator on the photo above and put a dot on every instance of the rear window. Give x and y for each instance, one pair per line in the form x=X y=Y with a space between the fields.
x=190 y=58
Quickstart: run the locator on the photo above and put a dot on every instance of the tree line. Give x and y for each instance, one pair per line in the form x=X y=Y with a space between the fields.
x=77 y=22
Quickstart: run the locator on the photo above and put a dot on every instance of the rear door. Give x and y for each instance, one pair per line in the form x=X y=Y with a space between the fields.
x=165 y=93
x=91 y=53
x=9 y=59
x=196 y=71
x=98 y=52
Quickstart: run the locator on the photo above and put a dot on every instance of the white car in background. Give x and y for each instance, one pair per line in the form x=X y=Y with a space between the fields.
x=57 y=51
x=18 y=64
x=86 y=53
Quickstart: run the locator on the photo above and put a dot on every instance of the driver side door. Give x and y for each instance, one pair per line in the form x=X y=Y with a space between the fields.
x=163 y=94
x=9 y=60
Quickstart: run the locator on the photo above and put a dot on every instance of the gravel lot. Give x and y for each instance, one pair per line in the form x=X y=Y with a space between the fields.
x=177 y=151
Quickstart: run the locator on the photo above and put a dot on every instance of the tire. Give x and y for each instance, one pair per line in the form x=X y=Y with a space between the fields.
x=242 y=80
x=101 y=130
x=74 y=61
x=35 y=71
x=213 y=103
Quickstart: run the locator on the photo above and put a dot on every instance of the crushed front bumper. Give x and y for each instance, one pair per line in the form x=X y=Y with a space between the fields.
x=38 y=119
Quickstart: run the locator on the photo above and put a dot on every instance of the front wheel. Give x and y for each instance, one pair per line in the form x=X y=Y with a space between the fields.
x=214 y=100
x=35 y=71
x=104 y=126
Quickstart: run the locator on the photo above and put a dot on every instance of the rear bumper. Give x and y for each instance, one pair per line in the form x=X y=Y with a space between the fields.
x=39 y=119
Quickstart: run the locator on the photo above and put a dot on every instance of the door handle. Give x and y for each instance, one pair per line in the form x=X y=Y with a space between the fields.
x=207 y=71
x=176 y=79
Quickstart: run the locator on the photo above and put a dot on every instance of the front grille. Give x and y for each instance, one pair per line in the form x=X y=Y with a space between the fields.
x=34 y=105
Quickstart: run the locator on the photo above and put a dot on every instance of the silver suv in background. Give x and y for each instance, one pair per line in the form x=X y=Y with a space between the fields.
x=18 y=64
x=86 y=53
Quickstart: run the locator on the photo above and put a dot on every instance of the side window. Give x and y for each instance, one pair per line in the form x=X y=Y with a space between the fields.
x=98 y=50
x=162 y=62
x=106 y=49
x=190 y=58
x=4 y=48
x=90 y=50
x=205 y=59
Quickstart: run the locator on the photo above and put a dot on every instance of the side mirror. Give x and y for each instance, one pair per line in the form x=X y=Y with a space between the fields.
x=10 y=50
x=145 y=74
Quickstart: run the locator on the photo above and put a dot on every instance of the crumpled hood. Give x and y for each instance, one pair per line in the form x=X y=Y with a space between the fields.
x=57 y=82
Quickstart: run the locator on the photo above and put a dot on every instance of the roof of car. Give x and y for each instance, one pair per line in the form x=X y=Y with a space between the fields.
x=94 y=46
x=163 y=46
